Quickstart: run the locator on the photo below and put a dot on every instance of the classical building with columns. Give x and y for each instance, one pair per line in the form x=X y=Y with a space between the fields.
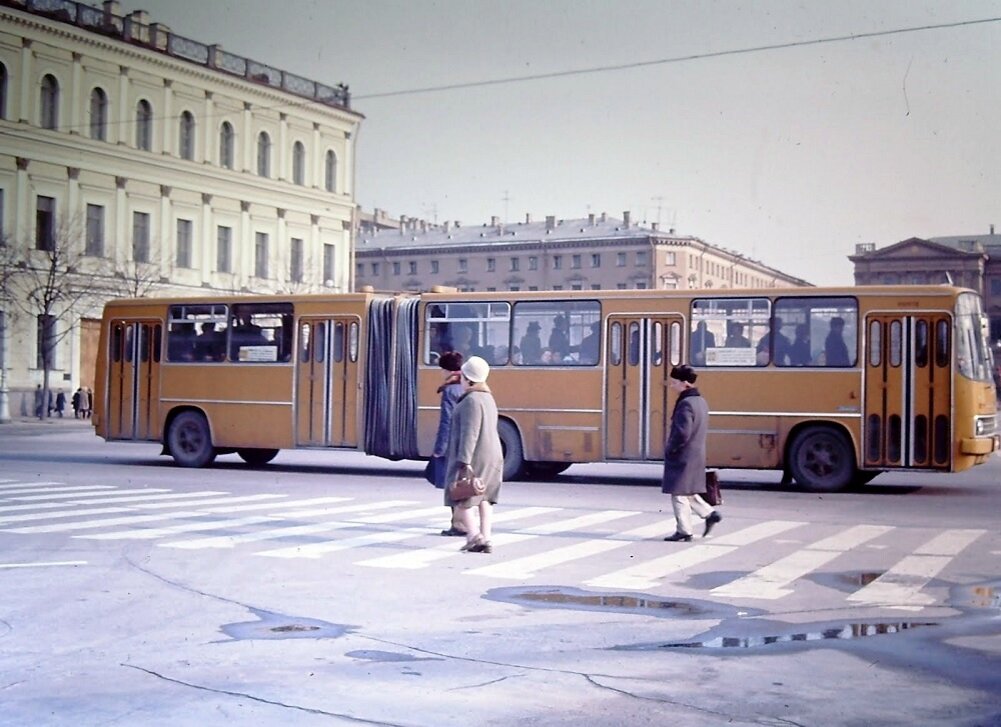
x=157 y=153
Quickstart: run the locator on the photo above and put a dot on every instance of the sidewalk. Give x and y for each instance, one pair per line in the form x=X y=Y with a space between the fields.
x=19 y=425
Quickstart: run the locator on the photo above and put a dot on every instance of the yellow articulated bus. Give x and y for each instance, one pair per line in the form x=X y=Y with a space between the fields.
x=829 y=385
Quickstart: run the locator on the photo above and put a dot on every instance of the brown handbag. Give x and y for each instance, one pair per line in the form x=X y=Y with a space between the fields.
x=466 y=485
x=713 y=495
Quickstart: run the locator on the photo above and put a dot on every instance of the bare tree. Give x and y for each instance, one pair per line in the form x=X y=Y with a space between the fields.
x=136 y=278
x=8 y=266
x=52 y=281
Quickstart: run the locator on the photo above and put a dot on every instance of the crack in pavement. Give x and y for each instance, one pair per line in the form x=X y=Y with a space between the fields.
x=262 y=700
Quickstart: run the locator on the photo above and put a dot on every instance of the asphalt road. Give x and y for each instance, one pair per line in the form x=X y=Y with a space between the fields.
x=316 y=590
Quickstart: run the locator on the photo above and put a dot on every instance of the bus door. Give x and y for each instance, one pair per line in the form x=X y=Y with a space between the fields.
x=640 y=352
x=908 y=391
x=134 y=379
x=327 y=382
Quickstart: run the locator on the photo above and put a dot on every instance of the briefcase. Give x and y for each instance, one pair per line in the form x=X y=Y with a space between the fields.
x=713 y=495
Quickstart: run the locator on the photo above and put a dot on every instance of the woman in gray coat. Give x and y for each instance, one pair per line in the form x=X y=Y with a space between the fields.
x=473 y=442
x=685 y=456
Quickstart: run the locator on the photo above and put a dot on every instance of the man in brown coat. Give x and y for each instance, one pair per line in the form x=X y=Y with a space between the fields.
x=685 y=456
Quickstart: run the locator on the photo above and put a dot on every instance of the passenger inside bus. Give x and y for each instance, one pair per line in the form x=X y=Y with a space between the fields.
x=799 y=351
x=735 y=337
x=531 y=344
x=702 y=338
x=780 y=352
x=181 y=342
x=835 y=350
x=210 y=344
x=590 y=346
x=559 y=340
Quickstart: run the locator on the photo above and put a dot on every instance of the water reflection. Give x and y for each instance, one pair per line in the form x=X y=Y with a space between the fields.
x=844 y=633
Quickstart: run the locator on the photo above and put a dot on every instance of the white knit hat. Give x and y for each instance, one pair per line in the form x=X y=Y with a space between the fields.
x=476 y=369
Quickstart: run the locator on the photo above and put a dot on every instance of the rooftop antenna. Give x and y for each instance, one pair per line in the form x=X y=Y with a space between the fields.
x=659 y=201
x=505 y=199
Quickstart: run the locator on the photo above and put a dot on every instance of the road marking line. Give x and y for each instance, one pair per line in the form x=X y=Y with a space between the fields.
x=31 y=506
x=900 y=586
x=103 y=522
x=80 y=495
x=154 y=498
x=151 y=533
x=771 y=581
x=223 y=502
x=60 y=514
x=648 y=574
x=22 y=483
x=36 y=489
x=43 y=565
x=228 y=541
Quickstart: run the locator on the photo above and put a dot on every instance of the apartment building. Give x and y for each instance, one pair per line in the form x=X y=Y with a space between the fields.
x=591 y=253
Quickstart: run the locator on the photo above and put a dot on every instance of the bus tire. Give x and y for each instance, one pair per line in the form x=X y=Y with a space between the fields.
x=548 y=470
x=190 y=440
x=256 y=456
x=821 y=460
x=514 y=453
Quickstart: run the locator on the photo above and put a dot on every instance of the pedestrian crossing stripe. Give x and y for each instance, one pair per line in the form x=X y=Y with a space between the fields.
x=211 y=517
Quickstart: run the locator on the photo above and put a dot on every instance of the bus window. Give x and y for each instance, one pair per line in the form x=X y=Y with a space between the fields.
x=942 y=343
x=729 y=331
x=196 y=333
x=875 y=343
x=472 y=329
x=972 y=354
x=657 y=343
x=615 y=345
x=261 y=332
x=921 y=343
x=117 y=333
x=353 y=342
x=824 y=331
x=557 y=333
x=304 y=350
x=339 y=341
x=896 y=343
x=675 y=343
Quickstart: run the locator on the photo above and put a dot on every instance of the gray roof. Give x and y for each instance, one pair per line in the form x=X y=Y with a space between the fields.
x=577 y=230
x=971 y=242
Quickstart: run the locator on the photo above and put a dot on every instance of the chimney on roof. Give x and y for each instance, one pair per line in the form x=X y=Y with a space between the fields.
x=112 y=7
x=403 y=224
x=992 y=229
x=528 y=218
x=670 y=231
x=494 y=221
x=604 y=216
x=655 y=226
x=625 y=218
x=550 y=222
x=590 y=219
x=447 y=225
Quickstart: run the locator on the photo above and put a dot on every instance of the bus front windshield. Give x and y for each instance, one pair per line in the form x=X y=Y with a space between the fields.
x=973 y=354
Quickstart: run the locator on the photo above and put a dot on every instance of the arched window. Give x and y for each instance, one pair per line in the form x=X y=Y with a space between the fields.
x=330 y=172
x=186 y=147
x=98 y=114
x=3 y=91
x=226 y=145
x=298 y=163
x=144 y=126
x=50 y=102
x=263 y=154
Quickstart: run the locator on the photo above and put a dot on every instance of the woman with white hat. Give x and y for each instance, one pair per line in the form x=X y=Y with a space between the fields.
x=473 y=442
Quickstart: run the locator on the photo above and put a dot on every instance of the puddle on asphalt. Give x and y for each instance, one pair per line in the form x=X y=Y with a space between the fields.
x=273 y=626
x=572 y=598
x=847 y=632
x=388 y=656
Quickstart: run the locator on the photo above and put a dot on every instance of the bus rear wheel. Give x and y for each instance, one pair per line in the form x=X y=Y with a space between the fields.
x=256 y=456
x=190 y=440
x=821 y=460
x=514 y=453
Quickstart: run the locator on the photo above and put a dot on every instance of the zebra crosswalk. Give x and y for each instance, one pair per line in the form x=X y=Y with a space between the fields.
x=609 y=549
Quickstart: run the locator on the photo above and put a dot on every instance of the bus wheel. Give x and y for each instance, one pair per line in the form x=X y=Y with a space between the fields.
x=546 y=470
x=257 y=457
x=514 y=457
x=821 y=460
x=190 y=441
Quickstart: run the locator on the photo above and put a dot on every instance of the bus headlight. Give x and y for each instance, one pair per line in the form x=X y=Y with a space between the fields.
x=983 y=426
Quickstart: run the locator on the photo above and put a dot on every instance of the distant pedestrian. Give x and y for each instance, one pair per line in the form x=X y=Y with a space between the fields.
x=474 y=444
x=60 y=403
x=76 y=402
x=685 y=456
x=86 y=397
x=39 y=402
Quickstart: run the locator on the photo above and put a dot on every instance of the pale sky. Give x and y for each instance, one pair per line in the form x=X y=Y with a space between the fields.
x=791 y=156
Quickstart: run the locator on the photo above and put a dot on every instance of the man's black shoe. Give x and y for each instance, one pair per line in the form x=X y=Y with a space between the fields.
x=454 y=531
x=678 y=537
x=714 y=517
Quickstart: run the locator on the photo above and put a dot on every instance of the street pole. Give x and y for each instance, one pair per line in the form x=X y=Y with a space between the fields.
x=4 y=406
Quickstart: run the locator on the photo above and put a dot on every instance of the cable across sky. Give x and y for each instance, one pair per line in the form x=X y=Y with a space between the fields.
x=675 y=59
